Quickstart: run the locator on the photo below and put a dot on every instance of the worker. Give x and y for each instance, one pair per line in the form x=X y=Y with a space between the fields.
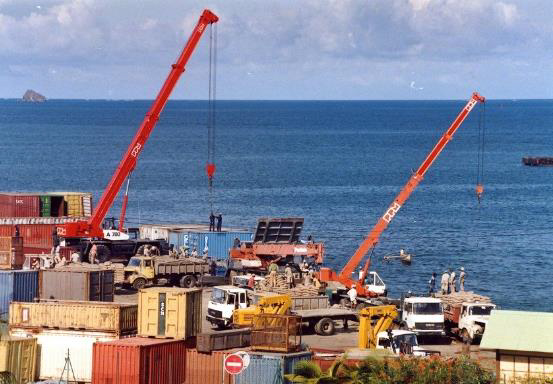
x=17 y=230
x=219 y=222
x=55 y=242
x=35 y=264
x=304 y=266
x=310 y=239
x=75 y=257
x=401 y=252
x=289 y=276
x=211 y=222
x=93 y=254
x=432 y=284
x=451 y=281
x=251 y=281
x=308 y=279
x=316 y=282
x=47 y=263
x=273 y=269
x=194 y=252
x=462 y=276
x=352 y=294
x=444 y=282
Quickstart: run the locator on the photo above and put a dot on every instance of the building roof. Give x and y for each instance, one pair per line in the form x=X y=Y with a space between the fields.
x=519 y=331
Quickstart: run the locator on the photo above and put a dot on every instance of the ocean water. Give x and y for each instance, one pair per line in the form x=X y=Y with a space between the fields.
x=338 y=164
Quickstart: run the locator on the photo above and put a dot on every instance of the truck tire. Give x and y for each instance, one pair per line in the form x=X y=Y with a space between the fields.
x=139 y=283
x=325 y=327
x=103 y=253
x=188 y=281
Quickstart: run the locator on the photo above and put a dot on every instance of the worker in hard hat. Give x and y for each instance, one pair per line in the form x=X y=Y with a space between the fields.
x=444 y=282
x=273 y=268
x=462 y=276
x=352 y=294
x=289 y=276
x=452 y=281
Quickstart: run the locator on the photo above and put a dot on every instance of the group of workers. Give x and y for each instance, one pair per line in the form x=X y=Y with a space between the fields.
x=448 y=282
x=309 y=278
x=212 y=218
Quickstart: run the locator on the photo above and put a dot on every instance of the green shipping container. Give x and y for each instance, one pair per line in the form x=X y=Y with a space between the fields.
x=45 y=206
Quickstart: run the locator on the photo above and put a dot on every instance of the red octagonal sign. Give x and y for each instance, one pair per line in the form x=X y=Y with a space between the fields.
x=234 y=364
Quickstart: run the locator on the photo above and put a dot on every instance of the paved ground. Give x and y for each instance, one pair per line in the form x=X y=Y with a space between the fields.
x=345 y=339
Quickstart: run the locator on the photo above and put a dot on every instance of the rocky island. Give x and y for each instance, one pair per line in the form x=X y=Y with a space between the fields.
x=33 y=96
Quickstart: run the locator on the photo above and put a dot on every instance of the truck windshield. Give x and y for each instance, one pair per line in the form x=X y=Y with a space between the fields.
x=481 y=311
x=134 y=262
x=427 y=308
x=218 y=296
x=408 y=338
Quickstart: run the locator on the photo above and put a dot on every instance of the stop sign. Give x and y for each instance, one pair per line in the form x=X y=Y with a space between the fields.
x=234 y=364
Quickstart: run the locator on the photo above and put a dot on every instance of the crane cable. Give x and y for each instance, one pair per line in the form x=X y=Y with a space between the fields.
x=481 y=144
x=212 y=96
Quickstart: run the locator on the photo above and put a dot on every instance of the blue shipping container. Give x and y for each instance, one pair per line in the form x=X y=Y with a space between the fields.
x=217 y=243
x=17 y=286
x=270 y=368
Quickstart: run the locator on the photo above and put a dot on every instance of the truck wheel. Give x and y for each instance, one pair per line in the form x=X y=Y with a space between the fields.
x=188 y=281
x=139 y=283
x=103 y=253
x=325 y=327
x=466 y=337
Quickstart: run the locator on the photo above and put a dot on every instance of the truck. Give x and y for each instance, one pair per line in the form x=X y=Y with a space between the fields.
x=466 y=315
x=275 y=240
x=233 y=306
x=422 y=315
x=402 y=342
x=142 y=271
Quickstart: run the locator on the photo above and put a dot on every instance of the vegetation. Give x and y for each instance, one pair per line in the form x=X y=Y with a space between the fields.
x=398 y=371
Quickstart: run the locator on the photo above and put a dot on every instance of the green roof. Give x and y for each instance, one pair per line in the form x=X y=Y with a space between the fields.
x=519 y=331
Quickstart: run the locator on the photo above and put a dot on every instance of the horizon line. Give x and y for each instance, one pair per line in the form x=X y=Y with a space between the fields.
x=272 y=100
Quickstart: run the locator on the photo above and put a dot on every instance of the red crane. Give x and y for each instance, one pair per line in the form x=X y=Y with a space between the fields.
x=92 y=227
x=372 y=239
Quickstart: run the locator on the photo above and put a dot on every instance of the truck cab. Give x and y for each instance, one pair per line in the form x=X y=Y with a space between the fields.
x=139 y=271
x=401 y=343
x=224 y=300
x=422 y=315
x=473 y=318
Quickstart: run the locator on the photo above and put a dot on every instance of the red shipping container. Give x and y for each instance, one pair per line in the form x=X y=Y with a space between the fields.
x=34 y=235
x=138 y=360
x=207 y=368
x=6 y=206
x=26 y=206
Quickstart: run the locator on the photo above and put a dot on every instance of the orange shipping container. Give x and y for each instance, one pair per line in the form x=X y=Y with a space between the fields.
x=206 y=368
x=138 y=360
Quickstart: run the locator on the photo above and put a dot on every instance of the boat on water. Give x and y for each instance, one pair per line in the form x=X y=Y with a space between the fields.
x=537 y=161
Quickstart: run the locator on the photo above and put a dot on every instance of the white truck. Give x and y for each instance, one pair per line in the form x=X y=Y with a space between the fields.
x=224 y=300
x=402 y=342
x=422 y=315
x=468 y=320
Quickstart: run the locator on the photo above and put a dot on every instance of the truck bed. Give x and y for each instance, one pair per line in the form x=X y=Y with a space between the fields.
x=327 y=312
x=189 y=265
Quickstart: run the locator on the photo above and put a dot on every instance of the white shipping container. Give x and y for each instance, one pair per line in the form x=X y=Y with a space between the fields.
x=154 y=232
x=53 y=347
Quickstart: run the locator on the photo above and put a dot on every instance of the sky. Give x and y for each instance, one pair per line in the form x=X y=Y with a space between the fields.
x=303 y=49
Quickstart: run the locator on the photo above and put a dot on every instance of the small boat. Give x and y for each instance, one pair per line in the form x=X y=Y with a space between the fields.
x=539 y=161
x=404 y=257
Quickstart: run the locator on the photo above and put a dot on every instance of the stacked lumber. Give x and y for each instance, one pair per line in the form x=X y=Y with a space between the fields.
x=458 y=298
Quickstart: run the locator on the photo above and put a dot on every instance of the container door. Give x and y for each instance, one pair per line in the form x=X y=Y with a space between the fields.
x=262 y=370
x=108 y=285
x=45 y=206
x=95 y=286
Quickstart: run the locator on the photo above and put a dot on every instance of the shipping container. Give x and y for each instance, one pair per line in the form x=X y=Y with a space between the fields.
x=232 y=338
x=170 y=312
x=19 y=206
x=53 y=346
x=45 y=206
x=18 y=357
x=269 y=368
x=120 y=319
x=7 y=207
x=139 y=360
x=11 y=252
x=74 y=205
x=154 y=232
x=218 y=244
x=17 y=286
x=206 y=368
x=71 y=283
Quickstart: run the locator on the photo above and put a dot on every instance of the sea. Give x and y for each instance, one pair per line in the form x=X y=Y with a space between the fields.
x=338 y=164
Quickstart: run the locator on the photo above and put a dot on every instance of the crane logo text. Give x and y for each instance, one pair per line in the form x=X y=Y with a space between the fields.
x=470 y=105
x=391 y=212
x=136 y=150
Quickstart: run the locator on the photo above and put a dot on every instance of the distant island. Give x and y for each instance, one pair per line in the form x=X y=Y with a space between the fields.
x=33 y=96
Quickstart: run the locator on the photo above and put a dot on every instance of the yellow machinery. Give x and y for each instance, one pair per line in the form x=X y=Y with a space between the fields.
x=383 y=315
x=276 y=305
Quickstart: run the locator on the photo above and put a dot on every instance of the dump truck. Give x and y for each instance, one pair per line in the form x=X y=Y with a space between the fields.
x=142 y=271
x=466 y=315
x=422 y=315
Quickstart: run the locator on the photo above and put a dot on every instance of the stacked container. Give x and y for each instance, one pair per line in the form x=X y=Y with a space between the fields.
x=269 y=368
x=63 y=327
x=86 y=284
x=170 y=312
x=11 y=252
x=18 y=357
x=217 y=244
x=17 y=286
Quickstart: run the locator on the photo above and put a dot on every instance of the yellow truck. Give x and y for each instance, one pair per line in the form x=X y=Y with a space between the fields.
x=142 y=271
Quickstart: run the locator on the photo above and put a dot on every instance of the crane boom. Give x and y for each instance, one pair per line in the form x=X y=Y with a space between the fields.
x=372 y=239
x=92 y=227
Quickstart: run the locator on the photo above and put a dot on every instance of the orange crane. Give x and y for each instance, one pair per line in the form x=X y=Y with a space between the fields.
x=345 y=276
